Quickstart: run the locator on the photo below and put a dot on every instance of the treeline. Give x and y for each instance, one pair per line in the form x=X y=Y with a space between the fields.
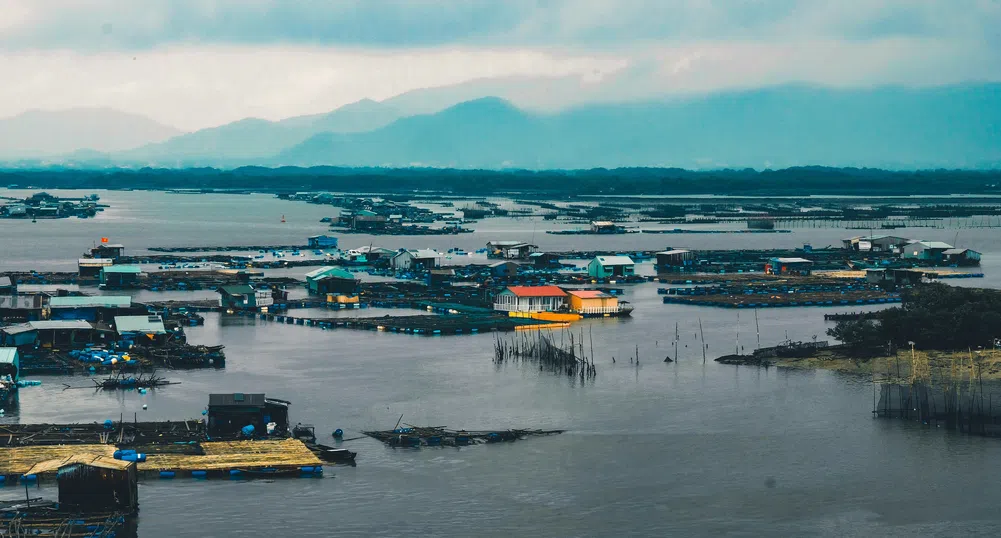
x=933 y=316
x=621 y=181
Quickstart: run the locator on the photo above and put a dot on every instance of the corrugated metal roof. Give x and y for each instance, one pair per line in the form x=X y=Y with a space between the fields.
x=615 y=260
x=329 y=271
x=60 y=324
x=95 y=262
x=240 y=289
x=5 y=281
x=792 y=260
x=139 y=324
x=17 y=329
x=675 y=251
x=97 y=301
x=25 y=289
x=8 y=354
x=127 y=269
x=236 y=399
x=936 y=244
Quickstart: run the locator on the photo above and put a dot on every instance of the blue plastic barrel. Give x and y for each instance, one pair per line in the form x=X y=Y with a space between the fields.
x=166 y=474
x=198 y=474
x=338 y=433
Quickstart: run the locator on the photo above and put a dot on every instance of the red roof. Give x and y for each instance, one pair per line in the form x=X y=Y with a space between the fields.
x=537 y=291
x=589 y=294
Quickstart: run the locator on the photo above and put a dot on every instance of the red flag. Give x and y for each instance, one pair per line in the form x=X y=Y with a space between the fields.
x=104 y=239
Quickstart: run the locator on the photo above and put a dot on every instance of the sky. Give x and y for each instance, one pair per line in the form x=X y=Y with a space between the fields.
x=199 y=63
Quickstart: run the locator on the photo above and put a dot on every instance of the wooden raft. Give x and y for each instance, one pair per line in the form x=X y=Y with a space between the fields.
x=225 y=455
x=219 y=456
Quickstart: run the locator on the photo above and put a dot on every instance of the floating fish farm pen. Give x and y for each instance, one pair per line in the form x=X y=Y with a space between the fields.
x=415 y=437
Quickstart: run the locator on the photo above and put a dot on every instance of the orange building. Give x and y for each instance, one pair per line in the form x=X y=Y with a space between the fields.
x=592 y=302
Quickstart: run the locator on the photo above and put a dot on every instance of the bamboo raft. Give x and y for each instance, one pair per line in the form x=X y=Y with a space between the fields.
x=44 y=519
x=415 y=437
x=287 y=456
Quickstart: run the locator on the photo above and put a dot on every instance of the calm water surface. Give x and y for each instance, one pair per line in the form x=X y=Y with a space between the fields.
x=653 y=449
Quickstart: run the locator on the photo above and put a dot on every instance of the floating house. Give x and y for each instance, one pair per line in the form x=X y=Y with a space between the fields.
x=875 y=243
x=595 y=303
x=788 y=266
x=368 y=220
x=504 y=269
x=91 y=483
x=961 y=257
x=331 y=280
x=605 y=227
x=896 y=277
x=675 y=260
x=244 y=297
x=370 y=254
x=19 y=308
x=62 y=334
x=544 y=260
x=90 y=268
x=90 y=308
x=322 y=241
x=440 y=277
x=229 y=415
x=120 y=276
x=145 y=330
x=611 y=267
x=416 y=260
x=104 y=250
x=531 y=299
x=510 y=250
x=926 y=250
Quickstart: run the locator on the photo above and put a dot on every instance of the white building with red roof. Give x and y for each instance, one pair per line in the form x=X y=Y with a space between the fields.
x=531 y=299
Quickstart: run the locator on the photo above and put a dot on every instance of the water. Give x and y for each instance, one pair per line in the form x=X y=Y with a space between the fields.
x=657 y=449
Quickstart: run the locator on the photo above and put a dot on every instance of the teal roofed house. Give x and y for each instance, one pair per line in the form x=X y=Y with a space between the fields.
x=121 y=276
x=331 y=280
x=611 y=267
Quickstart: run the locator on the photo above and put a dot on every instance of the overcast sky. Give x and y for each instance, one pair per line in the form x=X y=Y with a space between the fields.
x=199 y=63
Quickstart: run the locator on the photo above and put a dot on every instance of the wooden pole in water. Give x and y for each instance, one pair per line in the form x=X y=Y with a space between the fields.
x=736 y=347
x=703 y=334
x=757 y=329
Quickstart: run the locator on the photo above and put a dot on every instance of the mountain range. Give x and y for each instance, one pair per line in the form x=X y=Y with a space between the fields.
x=889 y=127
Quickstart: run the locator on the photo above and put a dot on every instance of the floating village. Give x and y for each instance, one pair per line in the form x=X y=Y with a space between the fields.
x=86 y=324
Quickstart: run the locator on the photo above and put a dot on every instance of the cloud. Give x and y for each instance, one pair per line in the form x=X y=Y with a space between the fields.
x=195 y=86
x=200 y=63
x=130 y=25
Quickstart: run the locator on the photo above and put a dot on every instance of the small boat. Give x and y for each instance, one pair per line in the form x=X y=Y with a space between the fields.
x=331 y=454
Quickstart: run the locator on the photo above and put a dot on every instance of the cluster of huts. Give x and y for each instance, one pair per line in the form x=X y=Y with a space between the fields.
x=913 y=249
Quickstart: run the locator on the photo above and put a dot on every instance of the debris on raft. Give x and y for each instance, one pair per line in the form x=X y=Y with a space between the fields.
x=568 y=358
x=414 y=436
x=120 y=381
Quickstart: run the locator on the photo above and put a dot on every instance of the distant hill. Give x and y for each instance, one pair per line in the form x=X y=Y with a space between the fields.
x=39 y=133
x=775 y=127
x=250 y=140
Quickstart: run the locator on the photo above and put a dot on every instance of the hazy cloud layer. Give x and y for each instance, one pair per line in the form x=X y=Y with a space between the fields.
x=196 y=63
